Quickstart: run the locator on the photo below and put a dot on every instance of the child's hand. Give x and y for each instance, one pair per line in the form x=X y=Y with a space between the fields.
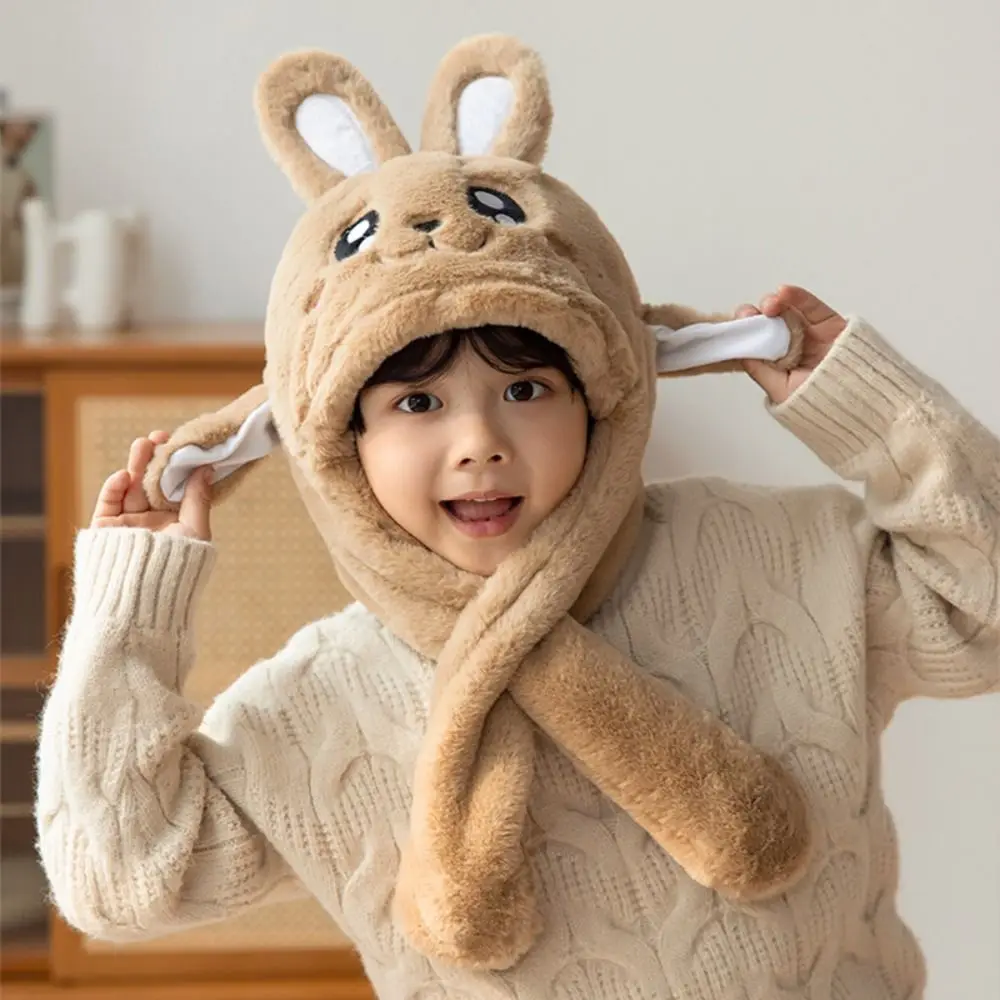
x=122 y=502
x=822 y=327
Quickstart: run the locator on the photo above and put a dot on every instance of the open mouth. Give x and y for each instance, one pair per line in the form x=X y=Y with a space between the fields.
x=484 y=518
x=481 y=510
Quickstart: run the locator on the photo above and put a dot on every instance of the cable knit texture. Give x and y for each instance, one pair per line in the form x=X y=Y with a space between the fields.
x=802 y=618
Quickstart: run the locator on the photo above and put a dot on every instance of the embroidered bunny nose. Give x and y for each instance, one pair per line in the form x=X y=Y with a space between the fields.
x=428 y=226
x=463 y=235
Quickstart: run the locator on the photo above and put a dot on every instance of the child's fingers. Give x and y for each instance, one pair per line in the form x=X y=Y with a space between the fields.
x=159 y=437
x=111 y=495
x=814 y=309
x=772 y=306
x=195 y=512
x=746 y=310
x=152 y=520
x=140 y=453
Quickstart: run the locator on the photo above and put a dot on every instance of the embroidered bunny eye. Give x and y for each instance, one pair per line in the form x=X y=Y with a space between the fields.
x=496 y=205
x=357 y=236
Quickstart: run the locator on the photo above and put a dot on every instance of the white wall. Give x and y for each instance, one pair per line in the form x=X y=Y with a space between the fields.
x=851 y=147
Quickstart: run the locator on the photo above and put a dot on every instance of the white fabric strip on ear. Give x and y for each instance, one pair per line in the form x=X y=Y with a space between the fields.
x=255 y=438
x=756 y=337
x=483 y=107
x=332 y=131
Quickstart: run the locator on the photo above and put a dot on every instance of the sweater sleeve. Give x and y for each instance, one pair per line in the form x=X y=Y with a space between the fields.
x=137 y=831
x=931 y=475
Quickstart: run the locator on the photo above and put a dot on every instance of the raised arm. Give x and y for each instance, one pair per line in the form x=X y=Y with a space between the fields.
x=931 y=474
x=140 y=826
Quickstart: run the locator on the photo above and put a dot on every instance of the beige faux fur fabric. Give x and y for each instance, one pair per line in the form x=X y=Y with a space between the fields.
x=512 y=651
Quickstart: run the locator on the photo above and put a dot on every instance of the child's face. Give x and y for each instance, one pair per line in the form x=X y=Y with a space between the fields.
x=519 y=440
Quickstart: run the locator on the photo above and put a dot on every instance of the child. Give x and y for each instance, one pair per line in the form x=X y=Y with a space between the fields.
x=774 y=631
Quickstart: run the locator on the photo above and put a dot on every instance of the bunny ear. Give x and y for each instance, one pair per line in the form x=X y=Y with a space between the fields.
x=688 y=344
x=490 y=97
x=323 y=122
x=231 y=440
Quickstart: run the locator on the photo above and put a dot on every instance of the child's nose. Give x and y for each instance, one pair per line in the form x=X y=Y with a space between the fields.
x=497 y=458
x=480 y=442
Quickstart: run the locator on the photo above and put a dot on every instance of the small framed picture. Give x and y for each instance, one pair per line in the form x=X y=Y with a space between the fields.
x=26 y=171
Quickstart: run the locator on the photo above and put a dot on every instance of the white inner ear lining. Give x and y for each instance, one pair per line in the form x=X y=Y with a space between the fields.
x=483 y=107
x=255 y=438
x=759 y=338
x=330 y=128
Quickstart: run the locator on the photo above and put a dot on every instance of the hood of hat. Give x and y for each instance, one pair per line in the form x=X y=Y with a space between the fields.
x=438 y=259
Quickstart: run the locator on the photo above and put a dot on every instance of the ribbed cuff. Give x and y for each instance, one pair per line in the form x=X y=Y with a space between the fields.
x=852 y=398
x=143 y=579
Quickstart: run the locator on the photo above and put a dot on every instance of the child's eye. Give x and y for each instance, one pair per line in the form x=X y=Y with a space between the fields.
x=524 y=391
x=419 y=402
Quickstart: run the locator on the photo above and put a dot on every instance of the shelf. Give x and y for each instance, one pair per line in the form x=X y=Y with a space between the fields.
x=22 y=526
x=20 y=383
x=26 y=671
x=17 y=810
x=18 y=732
x=176 y=346
x=276 y=989
x=26 y=958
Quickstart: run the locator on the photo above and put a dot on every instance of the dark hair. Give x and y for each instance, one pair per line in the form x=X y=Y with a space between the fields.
x=510 y=349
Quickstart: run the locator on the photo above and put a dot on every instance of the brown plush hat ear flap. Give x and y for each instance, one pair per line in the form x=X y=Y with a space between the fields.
x=323 y=122
x=489 y=97
x=232 y=440
x=693 y=343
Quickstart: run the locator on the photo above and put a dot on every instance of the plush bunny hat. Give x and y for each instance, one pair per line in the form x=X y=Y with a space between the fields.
x=396 y=245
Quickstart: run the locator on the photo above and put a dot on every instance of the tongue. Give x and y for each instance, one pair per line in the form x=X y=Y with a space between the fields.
x=476 y=510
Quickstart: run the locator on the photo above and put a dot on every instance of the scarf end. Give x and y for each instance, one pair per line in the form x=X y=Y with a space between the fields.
x=472 y=926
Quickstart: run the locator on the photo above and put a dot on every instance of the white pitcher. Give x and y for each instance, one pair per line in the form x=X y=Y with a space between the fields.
x=104 y=249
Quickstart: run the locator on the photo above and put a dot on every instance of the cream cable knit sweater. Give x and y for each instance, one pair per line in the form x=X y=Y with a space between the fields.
x=802 y=617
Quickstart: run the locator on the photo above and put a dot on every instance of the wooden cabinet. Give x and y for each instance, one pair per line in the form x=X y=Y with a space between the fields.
x=70 y=410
